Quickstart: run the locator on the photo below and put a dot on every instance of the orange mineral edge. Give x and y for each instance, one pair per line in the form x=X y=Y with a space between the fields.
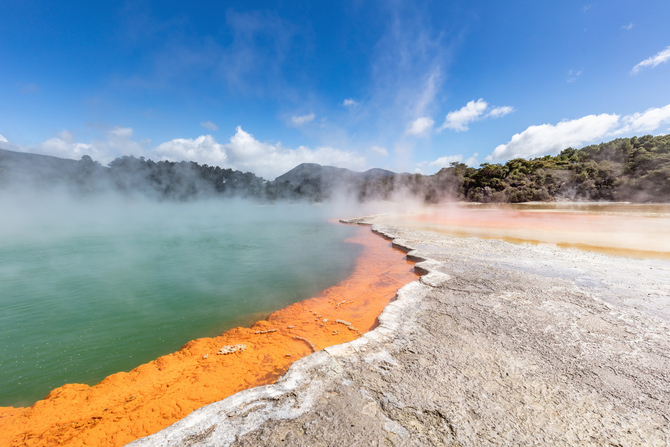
x=129 y=405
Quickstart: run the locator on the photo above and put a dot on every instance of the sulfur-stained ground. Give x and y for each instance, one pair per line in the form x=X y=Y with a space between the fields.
x=498 y=345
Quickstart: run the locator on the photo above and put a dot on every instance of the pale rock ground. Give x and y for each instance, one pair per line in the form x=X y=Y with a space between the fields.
x=498 y=345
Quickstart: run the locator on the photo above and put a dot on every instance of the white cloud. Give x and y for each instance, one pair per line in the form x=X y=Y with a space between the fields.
x=548 y=138
x=303 y=119
x=551 y=139
x=209 y=125
x=653 y=61
x=245 y=153
x=573 y=75
x=117 y=142
x=66 y=136
x=444 y=162
x=649 y=120
x=472 y=161
x=69 y=149
x=420 y=126
x=459 y=120
x=242 y=152
x=628 y=27
x=380 y=150
x=121 y=132
x=498 y=112
x=349 y=103
x=203 y=149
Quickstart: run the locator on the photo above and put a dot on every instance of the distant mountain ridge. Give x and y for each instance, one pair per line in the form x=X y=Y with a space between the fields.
x=330 y=175
x=625 y=169
x=36 y=168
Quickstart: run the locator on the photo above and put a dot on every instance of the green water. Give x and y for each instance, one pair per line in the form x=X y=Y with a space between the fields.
x=90 y=289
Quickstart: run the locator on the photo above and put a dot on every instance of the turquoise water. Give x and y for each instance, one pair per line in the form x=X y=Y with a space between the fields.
x=89 y=289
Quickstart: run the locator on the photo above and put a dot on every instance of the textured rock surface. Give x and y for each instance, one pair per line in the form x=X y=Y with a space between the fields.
x=498 y=344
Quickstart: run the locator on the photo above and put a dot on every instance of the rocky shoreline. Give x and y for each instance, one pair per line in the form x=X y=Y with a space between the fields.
x=130 y=405
x=497 y=344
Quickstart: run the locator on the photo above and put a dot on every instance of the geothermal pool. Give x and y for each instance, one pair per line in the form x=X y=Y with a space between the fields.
x=88 y=289
x=128 y=405
x=170 y=272
x=619 y=229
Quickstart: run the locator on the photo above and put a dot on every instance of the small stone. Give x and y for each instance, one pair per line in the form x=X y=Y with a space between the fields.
x=231 y=349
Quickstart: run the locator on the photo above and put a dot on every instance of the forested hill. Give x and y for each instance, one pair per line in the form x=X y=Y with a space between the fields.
x=162 y=180
x=625 y=169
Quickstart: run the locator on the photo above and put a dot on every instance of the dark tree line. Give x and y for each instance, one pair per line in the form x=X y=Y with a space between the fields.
x=625 y=169
x=162 y=180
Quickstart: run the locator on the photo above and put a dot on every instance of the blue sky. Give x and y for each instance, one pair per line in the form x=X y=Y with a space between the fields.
x=263 y=86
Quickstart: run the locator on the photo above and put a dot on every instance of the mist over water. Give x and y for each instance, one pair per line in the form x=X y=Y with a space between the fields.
x=90 y=287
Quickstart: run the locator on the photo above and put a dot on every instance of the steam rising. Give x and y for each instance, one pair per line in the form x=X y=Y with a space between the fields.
x=95 y=284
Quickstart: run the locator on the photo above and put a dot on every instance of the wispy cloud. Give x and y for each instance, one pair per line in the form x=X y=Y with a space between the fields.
x=209 y=125
x=628 y=27
x=552 y=138
x=302 y=119
x=459 y=120
x=349 y=103
x=256 y=54
x=573 y=75
x=379 y=150
x=262 y=51
x=587 y=7
x=121 y=132
x=408 y=63
x=66 y=136
x=498 y=112
x=653 y=61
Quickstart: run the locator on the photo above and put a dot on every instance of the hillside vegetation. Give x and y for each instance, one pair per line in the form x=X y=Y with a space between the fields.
x=625 y=169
